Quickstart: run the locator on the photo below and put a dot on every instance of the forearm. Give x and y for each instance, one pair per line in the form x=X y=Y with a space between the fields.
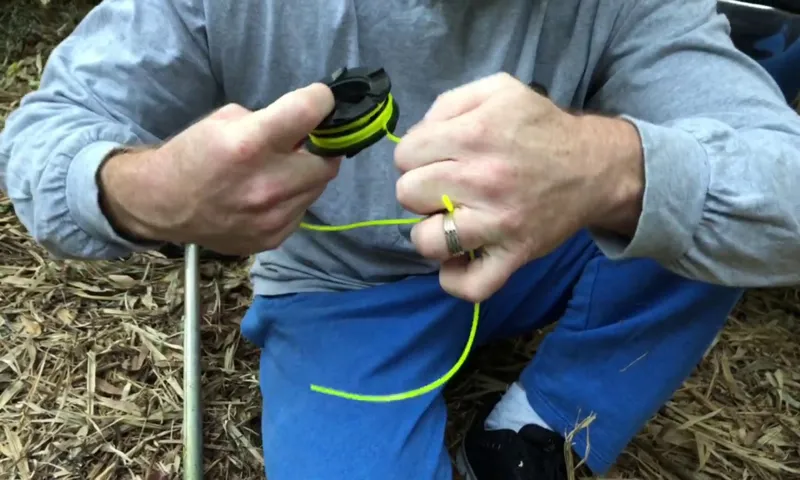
x=720 y=204
x=54 y=144
x=720 y=148
x=51 y=181
x=706 y=200
x=614 y=147
x=131 y=187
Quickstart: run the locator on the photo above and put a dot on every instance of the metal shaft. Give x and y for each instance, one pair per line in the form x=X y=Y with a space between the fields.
x=192 y=399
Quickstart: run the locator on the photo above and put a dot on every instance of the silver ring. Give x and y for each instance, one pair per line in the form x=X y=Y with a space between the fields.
x=451 y=235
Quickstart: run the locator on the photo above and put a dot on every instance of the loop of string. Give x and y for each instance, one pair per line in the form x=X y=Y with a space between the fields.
x=366 y=130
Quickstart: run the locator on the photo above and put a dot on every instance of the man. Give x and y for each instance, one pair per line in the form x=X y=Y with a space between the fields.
x=169 y=121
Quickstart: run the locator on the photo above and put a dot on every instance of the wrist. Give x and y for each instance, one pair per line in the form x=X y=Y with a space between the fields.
x=613 y=148
x=126 y=183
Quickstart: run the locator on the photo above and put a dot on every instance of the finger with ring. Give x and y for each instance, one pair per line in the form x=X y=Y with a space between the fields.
x=451 y=235
x=447 y=235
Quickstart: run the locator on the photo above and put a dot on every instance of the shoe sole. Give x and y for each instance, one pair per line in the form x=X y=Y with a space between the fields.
x=463 y=466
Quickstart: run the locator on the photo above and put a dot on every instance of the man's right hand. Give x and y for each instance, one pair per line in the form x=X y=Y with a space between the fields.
x=236 y=182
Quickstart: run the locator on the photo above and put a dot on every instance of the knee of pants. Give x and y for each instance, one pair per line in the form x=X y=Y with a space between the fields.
x=641 y=290
x=342 y=341
x=313 y=436
x=632 y=334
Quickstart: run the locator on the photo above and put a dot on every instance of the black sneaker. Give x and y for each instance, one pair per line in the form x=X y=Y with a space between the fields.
x=534 y=453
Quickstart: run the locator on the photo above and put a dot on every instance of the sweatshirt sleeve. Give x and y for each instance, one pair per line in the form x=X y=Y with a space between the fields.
x=721 y=147
x=132 y=73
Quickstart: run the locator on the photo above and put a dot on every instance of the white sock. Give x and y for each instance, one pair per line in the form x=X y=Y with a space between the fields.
x=513 y=412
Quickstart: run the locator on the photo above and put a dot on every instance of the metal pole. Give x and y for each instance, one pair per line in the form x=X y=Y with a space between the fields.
x=192 y=403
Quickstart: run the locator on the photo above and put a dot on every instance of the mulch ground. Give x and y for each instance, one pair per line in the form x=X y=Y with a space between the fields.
x=91 y=355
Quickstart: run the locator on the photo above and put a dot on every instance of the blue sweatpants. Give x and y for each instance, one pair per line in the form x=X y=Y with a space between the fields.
x=627 y=335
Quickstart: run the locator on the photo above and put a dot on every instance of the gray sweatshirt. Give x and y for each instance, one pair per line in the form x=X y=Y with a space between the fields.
x=722 y=148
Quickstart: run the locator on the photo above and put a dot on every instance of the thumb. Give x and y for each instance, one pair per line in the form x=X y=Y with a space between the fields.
x=477 y=279
x=283 y=124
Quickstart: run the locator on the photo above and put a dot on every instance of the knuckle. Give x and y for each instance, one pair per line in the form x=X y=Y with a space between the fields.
x=240 y=148
x=315 y=172
x=275 y=237
x=435 y=250
x=504 y=77
x=331 y=170
x=267 y=195
x=423 y=240
x=509 y=220
x=265 y=244
x=532 y=247
x=471 y=292
x=512 y=81
x=495 y=179
x=473 y=296
x=308 y=111
x=269 y=224
x=480 y=130
x=401 y=159
x=405 y=153
x=252 y=199
x=443 y=98
x=403 y=191
x=450 y=176
x=474 y=135
x=503 y=173
x=228 y=111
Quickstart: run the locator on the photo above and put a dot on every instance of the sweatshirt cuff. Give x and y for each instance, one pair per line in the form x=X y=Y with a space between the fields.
x=677 y=177
x=83 y=196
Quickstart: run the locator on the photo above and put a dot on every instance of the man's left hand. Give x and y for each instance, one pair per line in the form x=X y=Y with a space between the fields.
x=523 y=174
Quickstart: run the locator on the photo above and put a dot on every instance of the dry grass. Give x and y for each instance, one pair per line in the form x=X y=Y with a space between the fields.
x=91 y=354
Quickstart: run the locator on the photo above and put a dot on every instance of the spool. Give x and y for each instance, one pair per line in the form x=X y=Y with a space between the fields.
x=364 y=113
